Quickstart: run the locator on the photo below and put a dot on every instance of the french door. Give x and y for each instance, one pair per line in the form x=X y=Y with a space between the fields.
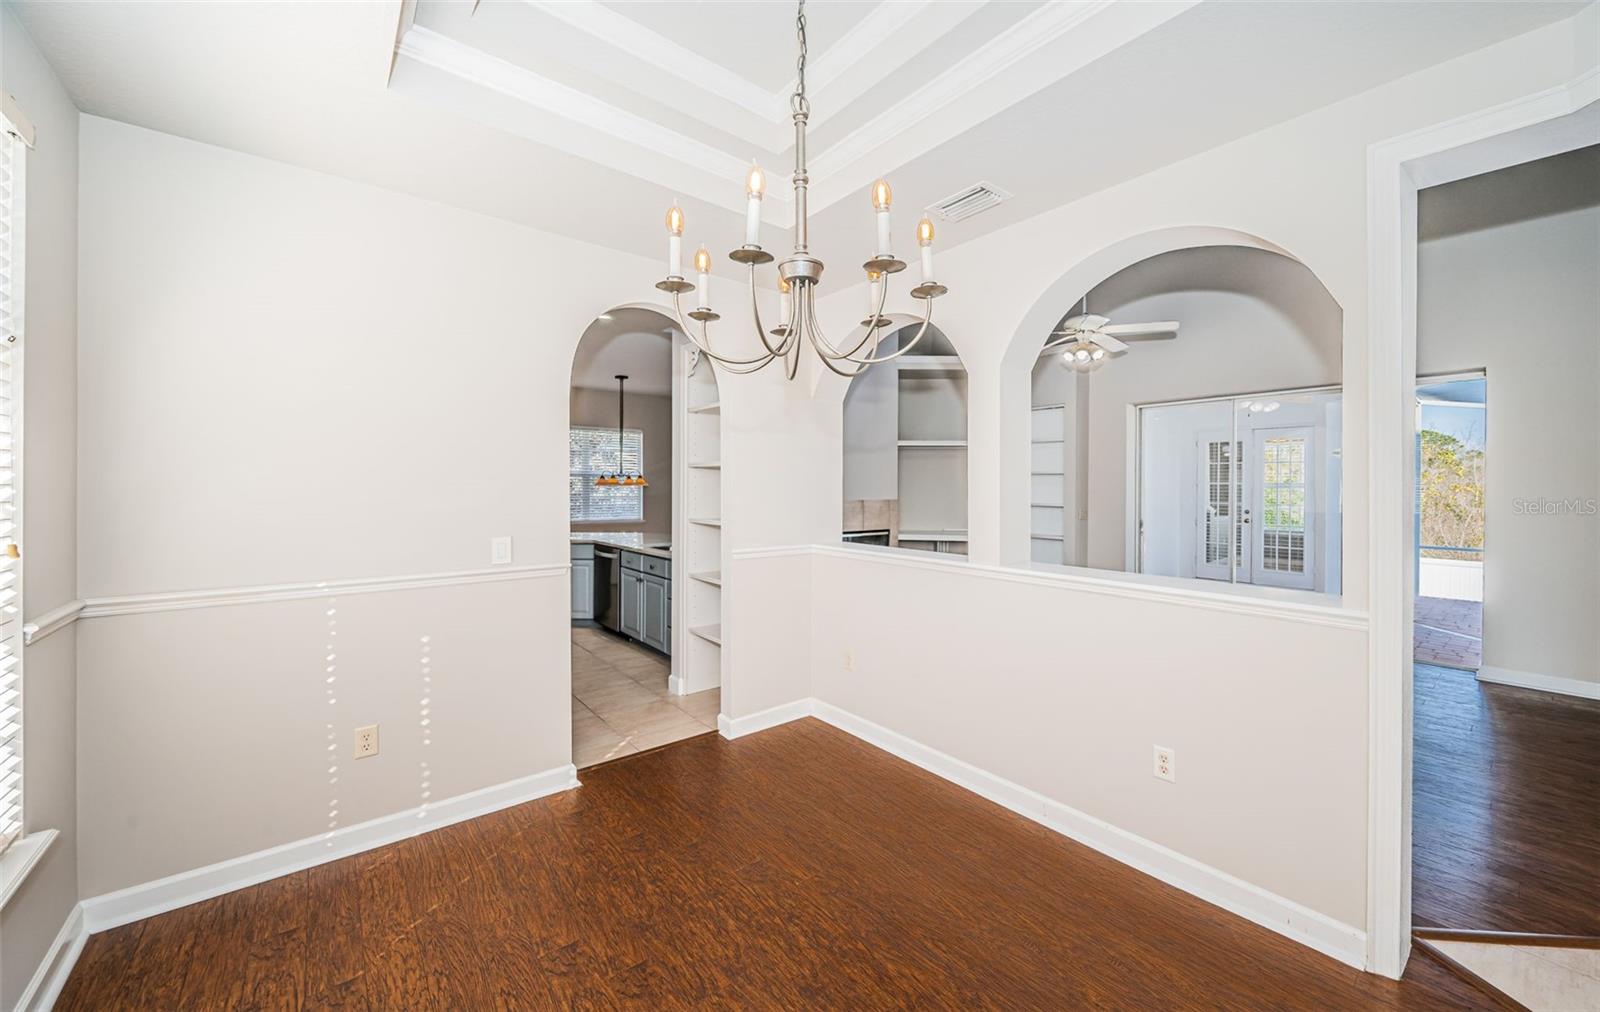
x=1255 y=501
x=1282 y=540
x=1219 y=518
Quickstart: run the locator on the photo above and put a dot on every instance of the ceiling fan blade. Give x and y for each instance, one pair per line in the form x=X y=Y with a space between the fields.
x=1141 y=329
x=1110 y=344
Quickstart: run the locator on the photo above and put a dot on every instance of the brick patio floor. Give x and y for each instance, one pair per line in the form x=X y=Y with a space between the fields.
x=1448 y=632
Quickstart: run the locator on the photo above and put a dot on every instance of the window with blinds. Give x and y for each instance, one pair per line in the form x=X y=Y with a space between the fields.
x=10 y=564
x=593 y=453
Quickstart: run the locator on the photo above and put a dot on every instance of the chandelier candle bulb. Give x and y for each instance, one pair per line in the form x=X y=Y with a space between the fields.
x=882 y=197
x=755 y=187
x=874 y=293
x=925 y=240
x=674 y=241
x=702 y=267
x=785 y=301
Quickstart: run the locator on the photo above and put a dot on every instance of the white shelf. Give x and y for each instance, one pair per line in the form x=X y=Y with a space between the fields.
x=929 y=444
x=930 y=363
x=707 y=465
x=933 y=535
x=714 y=578
x=709 y=633
x=706 y=522
x=714 y=408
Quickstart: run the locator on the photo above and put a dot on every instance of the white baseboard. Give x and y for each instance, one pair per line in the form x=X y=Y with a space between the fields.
x=674 y=685
x=51 y=976
x=138 y=902
x=1343 y=942
x=1544 y=683
x=738 y=727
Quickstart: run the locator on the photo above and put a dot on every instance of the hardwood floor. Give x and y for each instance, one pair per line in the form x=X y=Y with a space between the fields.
x=1506 y=807
x=796 y=868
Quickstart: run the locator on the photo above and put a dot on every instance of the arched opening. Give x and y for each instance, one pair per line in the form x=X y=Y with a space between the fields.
x=643 y=484
x=1186 y=421
x=905 y=447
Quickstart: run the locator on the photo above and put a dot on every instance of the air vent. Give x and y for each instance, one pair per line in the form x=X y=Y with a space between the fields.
x=965 y=203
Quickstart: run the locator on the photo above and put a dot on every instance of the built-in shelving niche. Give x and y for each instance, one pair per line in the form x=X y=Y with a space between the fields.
x=698 y=570
x=906 y=445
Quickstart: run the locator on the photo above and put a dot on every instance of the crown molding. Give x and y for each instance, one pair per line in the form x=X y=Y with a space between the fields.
x=660 y=52
x=474 y=66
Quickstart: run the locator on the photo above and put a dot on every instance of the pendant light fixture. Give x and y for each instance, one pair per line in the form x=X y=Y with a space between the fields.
x=621 y=476
x=800 y=272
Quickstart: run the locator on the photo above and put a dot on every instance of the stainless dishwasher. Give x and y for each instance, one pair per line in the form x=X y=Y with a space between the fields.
x=607 y=596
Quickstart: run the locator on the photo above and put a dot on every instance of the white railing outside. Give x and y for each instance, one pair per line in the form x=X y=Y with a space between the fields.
x=1457 y=579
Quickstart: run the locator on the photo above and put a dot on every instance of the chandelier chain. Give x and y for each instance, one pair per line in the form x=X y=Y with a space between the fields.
x=798 y=102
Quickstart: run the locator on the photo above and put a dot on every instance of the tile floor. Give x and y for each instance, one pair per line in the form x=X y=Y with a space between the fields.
x=620 y=703
x=1448 y=632
x=1544 y=978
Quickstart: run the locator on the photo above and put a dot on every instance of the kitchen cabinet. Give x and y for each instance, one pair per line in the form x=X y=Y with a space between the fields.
x=632 y=590
x=583 y=583
x=657 y=607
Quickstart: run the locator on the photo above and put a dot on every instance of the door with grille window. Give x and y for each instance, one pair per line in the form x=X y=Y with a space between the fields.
x=1221 y=499
x=1283 y=545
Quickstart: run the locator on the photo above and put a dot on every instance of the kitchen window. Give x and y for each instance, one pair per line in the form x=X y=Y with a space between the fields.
x=593 y=453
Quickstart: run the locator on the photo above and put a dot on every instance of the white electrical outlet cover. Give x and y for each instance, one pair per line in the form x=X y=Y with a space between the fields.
x=366 y=741
x=1166 y=764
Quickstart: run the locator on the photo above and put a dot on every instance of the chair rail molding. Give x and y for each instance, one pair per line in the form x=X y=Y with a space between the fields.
x=51 y=621
x=135 y=604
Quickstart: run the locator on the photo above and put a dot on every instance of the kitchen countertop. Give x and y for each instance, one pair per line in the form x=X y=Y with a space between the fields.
x=643 y=542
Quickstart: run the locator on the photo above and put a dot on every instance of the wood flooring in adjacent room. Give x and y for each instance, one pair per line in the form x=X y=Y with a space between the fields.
x=795 y=868
x=1506 y=807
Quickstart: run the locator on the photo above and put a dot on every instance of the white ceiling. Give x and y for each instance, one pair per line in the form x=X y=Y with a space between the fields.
x=587 y=118
x=634 y=342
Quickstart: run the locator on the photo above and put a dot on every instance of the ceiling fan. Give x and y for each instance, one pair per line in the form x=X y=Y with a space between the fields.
x=1086 y=340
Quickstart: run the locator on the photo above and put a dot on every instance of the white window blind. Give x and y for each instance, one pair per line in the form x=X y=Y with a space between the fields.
x=594 y=452
x=10 y=565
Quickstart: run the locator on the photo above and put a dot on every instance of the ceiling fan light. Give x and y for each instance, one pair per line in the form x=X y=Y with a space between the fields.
x=1098 y=353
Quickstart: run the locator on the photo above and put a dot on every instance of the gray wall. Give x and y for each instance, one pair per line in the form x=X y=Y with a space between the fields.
x=1252 y=321
x=30 y=921
x=653 y=415
x=1507 y=269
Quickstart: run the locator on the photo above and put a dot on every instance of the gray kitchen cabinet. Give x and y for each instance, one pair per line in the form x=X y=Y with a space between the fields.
x=583 y=590
x=631 y=587
x=657 y=609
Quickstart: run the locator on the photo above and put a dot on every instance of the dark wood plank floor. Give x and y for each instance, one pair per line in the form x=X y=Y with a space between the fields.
x=796 y=868
x=1506 y=807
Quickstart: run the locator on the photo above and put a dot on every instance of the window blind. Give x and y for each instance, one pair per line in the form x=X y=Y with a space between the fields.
x=593 y=453
x=10 y=564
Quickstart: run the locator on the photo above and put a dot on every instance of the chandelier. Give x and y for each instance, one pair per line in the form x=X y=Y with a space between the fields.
x=800 y=272
x=621 y=476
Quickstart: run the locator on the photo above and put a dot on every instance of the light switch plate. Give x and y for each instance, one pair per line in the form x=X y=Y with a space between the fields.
x=500 y=550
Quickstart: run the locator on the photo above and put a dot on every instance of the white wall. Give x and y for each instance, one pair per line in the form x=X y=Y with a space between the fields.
x=960 y=666
x=652 y=415
x=1506 y=271
x=30 y=921
x=289 y=378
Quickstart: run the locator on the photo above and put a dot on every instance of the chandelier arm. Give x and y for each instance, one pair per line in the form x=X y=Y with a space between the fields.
x=819 y=342
x=755 y=312
x=927 y=318
x=703 y=343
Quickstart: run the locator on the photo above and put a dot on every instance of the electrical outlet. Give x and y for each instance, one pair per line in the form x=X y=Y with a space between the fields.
x=500 y=550
x=1166 y=764
x=366 y=741
x=849 y=660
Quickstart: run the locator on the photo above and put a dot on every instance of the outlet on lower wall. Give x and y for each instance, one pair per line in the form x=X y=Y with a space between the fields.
x=1166 y=767
x=366 y=741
